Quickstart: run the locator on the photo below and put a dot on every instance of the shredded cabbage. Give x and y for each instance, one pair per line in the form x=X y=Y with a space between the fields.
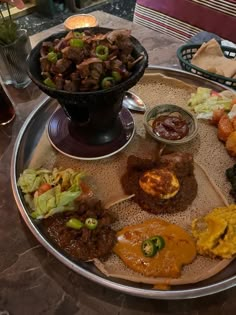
x=53 y=201
x=65 y=189
x=204 y=103
x=31 y=179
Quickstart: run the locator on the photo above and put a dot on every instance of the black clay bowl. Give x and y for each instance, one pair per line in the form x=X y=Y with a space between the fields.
x=94 y=115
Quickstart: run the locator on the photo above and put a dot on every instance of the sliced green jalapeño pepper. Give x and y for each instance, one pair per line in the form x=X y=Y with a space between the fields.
x=77 y=34
x=102 y=52
x=91 y=223
x=107 y=82
x=52 y=56
x=76 y=42
x=116 y=75
x=49 y=83
x=158 y=241
x=148 y=248
x=152 y=245
x=74 y=223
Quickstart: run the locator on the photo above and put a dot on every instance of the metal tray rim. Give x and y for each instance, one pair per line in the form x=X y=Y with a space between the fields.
x=109 y=283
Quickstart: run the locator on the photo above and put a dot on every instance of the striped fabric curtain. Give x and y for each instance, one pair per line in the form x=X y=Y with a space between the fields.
x=184 y=18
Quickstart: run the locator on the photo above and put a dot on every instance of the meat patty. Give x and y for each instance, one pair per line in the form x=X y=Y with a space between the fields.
x=181 y=164
x=83 y=244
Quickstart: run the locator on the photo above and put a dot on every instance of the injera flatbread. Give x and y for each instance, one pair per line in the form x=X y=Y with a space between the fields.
x=104 y=177
x=210 y=57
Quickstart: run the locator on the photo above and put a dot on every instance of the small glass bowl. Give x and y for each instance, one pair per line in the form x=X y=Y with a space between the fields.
x=167 y=109
x=80 y=20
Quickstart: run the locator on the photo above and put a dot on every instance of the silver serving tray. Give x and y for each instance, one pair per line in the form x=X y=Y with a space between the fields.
x=23 y=149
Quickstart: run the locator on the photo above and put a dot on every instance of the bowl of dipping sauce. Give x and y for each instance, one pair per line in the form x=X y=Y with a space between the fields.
x=80 y=20
x=170 y=124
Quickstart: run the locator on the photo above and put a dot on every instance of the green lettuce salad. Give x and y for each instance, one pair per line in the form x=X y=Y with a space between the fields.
x=49 y=192
x=205 y=101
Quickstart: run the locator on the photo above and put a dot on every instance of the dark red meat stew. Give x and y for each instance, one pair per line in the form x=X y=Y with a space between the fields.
x=84 y=233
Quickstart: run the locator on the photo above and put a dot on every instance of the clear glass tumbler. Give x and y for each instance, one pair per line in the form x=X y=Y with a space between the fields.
x=13 y=68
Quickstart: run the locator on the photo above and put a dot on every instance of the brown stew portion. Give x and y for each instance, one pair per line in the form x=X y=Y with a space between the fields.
x=179 y=164
x=83 y=242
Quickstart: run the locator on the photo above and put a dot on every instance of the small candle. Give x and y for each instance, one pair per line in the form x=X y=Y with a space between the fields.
x=80 y=20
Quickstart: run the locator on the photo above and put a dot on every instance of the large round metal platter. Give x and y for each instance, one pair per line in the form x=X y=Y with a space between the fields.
x=25 y=144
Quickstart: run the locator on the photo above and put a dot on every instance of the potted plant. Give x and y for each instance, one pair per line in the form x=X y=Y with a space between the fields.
x=14 y=47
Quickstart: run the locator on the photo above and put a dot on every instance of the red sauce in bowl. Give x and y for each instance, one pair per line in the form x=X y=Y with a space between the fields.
x=170 y=127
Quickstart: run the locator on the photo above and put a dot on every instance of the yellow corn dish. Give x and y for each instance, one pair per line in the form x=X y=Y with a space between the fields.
x=215 y=233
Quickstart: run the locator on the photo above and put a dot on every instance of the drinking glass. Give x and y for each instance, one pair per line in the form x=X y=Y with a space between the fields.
x=13 y=67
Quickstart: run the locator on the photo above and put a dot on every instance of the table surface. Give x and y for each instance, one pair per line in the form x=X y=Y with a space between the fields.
x=34 y=282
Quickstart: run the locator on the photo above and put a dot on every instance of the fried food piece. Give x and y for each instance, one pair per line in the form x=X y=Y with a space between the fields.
x=215 y=233
x=217 y=114
x=233 y=121
x=225 y=128
x=179 y=248
x=231 y=144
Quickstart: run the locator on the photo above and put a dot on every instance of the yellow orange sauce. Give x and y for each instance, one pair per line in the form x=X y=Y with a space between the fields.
x=161 y=286
x=179 y=248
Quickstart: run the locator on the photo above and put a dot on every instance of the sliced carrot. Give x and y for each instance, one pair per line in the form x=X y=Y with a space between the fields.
x=225 y=127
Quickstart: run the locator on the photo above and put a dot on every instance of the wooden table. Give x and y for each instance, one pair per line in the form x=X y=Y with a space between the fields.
x=34 y=282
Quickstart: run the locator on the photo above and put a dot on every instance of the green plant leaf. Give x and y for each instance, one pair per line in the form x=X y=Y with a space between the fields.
x=8 y=32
